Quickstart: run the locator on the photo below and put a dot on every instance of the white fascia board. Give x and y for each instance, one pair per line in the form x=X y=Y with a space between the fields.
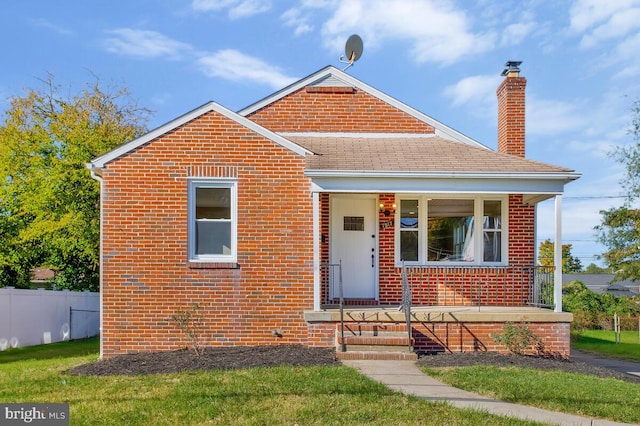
x=434 y=185
x=359 y=135
x=442 y=130
x=565 y=177
x=124 y=149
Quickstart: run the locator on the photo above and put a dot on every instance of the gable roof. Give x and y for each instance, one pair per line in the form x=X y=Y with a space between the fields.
x=185 y=118
x=331 y=76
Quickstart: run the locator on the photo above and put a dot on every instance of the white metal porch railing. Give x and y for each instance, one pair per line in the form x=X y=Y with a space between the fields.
x=459 y=285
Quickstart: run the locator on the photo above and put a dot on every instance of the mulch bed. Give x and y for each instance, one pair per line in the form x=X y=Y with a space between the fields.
x=228 y=358
x=218 y=358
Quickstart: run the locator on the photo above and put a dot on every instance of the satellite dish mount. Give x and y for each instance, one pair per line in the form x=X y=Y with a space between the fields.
x=352 y=51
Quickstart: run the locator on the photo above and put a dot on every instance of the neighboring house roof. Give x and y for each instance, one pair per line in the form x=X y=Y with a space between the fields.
x=185 y=118
x=331 y=76
x=40 y=275
x=620 y=290
x=603 y=283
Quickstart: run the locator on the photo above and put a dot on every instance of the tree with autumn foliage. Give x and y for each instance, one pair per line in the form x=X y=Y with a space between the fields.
x=49 y=204
x=620 y=227
x=570 y=264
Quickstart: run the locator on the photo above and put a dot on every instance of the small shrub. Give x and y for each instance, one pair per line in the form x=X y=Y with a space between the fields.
x=583 y=320
x=517 y=338
x=190 y=321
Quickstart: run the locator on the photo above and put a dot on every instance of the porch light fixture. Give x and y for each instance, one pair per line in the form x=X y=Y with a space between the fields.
x=387 y=212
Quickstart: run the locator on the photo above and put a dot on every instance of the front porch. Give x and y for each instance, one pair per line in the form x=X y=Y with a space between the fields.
x=432 y=329
x=440 y=309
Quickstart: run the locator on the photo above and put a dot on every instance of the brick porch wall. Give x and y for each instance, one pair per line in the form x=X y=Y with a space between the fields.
x=146 y=275
x=521 y=253
x=471 y=336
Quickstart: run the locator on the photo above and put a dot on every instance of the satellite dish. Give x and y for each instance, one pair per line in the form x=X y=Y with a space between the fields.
x=352 y=50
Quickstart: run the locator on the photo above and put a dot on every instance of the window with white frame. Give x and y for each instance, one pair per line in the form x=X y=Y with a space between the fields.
x=451 y=229
x=212 y=220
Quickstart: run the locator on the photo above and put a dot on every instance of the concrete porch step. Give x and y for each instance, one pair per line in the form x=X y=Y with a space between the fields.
x=383 y=340
x=374 y=341
x=364 y=328
x=366 y=355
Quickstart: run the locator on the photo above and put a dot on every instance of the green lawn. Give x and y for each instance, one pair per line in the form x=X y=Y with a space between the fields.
x=259 y=396
x=603 y=342
x=559 y=391
x=578 y=394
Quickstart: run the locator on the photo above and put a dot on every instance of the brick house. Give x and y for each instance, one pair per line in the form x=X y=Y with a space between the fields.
x=327 y=188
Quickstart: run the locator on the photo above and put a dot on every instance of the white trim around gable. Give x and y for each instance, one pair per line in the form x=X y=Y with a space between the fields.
x=335 y=74
x=124 y=149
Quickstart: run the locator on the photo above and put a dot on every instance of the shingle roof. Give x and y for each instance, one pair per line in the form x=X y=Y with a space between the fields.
x=411 y=154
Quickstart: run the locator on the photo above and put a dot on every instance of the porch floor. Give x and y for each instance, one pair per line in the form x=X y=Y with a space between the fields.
x=438 y=314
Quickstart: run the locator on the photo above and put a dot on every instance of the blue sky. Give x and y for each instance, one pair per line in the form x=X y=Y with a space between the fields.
x=442 y=57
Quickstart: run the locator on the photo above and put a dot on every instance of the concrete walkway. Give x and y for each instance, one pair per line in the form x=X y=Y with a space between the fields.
x=406 y=377
x=620 y=365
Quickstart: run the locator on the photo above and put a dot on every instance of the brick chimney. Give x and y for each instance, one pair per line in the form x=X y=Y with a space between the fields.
x=511 y=107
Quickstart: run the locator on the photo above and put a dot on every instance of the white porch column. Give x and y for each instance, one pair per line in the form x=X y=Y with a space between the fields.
x=557 y=255
x=316 y=251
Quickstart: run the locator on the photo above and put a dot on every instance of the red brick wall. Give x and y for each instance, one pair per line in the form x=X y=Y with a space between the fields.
x=336 y=109
x=522 y=244
x=448 y=286
x=511 y=116
x=146 y=275
x=477 y=336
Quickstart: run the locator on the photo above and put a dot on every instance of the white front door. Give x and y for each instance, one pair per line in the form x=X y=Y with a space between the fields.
x=353 y=241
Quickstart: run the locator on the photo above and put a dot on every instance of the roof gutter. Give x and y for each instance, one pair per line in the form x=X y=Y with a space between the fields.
x=567 y=176
x=94 y=175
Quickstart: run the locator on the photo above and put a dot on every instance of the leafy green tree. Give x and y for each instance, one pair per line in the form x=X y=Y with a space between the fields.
x=49 y=204
x=570 y=264
x=620 y=227
x=592 y=268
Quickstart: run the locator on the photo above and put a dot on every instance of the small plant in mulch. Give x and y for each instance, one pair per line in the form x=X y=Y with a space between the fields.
x=517 y=338
x=189 y=320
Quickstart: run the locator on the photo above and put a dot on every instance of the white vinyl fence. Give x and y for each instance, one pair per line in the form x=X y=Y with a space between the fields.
x=34 y=317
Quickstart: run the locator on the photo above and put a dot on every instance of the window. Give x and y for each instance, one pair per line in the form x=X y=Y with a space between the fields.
x=492 y=231
x=212 y=220
x=447 y=229
x=450 y=230
x=409 y=221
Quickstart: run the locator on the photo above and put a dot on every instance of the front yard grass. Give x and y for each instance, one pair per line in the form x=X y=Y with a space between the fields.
x=257 y=396
x=572 y=393
x=604 y=342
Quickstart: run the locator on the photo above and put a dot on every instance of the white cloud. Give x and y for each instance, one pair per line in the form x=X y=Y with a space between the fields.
x=236 y=66
x=299 y=22
x=604 y=20
x=145 y=44
x=477 y=89
x=434 y=30
x=43 y=23
x=552 y=117
x=236 y=8
x=514 y=34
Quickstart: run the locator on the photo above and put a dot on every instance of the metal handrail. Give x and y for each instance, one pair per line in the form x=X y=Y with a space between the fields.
x=343 y=346
x=406 y=304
